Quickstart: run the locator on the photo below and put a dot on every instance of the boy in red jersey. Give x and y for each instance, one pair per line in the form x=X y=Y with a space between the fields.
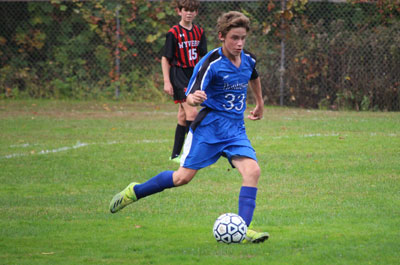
x=185 y=43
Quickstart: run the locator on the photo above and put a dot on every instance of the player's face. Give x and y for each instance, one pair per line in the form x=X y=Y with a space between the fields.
x=187 y=15
x=233 y=42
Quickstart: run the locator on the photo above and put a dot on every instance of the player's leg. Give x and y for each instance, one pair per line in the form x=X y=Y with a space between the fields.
x=179 y=79
x=183 y=176
x=250 y=171
x=180 y=133
x=160 y=182
x=190 y=114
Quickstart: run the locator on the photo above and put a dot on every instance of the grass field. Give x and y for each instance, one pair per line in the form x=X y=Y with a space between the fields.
x=329 y=191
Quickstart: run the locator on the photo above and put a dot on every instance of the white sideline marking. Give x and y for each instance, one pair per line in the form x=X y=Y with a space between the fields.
x=308 y=135
x=78 y=145
x=326 y=135
x=66 y=148
x=21 y=145
x=319 y=135
x=151 y=141
x=44 y=152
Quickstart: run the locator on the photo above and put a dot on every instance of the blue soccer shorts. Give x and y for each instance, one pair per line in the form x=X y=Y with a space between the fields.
x=213 y=135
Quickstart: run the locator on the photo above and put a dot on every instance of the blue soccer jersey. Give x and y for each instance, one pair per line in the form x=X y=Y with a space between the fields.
x=223 y=82
x=219 y=128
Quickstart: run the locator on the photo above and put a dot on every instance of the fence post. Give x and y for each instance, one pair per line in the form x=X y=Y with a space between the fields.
x=117 y=55
x=282 y=67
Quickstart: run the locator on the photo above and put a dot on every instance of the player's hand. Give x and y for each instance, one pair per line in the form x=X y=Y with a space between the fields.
x=257 y=113
x=197 y=98
x=168 y=88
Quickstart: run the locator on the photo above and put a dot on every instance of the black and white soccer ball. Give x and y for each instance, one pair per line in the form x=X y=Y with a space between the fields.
x=229 y=228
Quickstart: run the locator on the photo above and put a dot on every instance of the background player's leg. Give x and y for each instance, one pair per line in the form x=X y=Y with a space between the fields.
x=190 y=111
x=179 y=133
x=190 y=114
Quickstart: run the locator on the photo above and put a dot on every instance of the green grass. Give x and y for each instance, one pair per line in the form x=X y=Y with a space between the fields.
x=329 y=191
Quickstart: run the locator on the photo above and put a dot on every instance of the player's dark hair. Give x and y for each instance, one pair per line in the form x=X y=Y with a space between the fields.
x=232 y=19
x=189 y=5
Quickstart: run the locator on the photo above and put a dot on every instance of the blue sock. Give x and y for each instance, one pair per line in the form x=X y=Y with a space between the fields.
x=247 y=203
x=156 y=184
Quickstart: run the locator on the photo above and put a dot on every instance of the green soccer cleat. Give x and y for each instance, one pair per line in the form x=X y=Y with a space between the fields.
x=176 y=159
x=255 y=237
x=124 y=198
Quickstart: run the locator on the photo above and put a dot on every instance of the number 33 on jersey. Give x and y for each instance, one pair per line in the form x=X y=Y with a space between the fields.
x=224 y=83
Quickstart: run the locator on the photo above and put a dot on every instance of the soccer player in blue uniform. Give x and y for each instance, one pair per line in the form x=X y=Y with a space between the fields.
x=219 y=84
x=185 y=44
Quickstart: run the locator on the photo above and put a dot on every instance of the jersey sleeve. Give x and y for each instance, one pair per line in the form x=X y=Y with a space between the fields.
x=169 y=47
x=254 y=74
x=203 y=45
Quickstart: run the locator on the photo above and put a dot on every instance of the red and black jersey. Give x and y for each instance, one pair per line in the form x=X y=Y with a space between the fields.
x=183 y=47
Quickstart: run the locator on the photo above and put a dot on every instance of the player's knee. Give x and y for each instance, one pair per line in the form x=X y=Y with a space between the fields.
x=180 y=178
x=256 y=172
x=191 y=115
x=181 y=116
x=190 y=111
x=253 y=175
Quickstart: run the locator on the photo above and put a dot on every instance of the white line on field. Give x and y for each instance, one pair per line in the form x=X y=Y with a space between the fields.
x=76 y=146
x=44 y=152
x=308 y=135
x=21 y=145
x=151 y=141
x=327 y=135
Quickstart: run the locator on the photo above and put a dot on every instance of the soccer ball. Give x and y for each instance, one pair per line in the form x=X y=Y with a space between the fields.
x=229 y=228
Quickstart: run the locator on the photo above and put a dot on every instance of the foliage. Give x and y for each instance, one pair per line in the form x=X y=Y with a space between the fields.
x=76 y=49
x=334 y=49
x=68 y=49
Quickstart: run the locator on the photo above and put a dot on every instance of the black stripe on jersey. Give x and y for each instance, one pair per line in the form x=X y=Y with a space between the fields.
x=202 y=114
x=185 y=50
x=251 y=55
x=196 y=32
x=174 y=30
x=254 y=74
x=197 y=36
x=180 y=54
x=203 y=70
x=191 y=36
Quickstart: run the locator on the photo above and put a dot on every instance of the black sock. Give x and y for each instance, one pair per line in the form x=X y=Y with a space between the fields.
x=188 y=123
x=179 y=140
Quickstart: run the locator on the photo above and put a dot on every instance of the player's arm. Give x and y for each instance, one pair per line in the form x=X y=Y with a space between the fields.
x=196 y=98
x=257 y=112
x=166 y=67
x=202 y=46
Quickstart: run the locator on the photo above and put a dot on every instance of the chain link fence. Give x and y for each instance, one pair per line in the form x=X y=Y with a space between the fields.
x=312 y=54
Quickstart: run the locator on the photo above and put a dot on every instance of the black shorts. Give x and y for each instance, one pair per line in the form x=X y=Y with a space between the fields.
x=180 y=78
